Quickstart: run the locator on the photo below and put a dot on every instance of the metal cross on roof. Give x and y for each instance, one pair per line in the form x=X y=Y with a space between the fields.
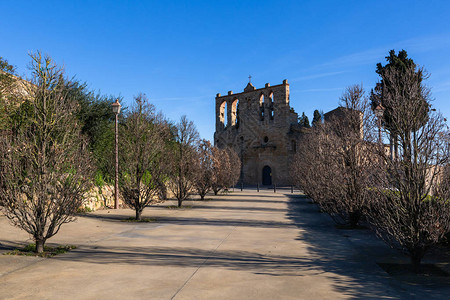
x=249 y=78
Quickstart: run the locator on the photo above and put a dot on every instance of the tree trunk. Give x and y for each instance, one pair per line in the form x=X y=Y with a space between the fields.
x=40 y=245
x=416 y=258
x=202 y=196
x=138 y=214
x=415 y=261
x=180 y=202
x=354 y=219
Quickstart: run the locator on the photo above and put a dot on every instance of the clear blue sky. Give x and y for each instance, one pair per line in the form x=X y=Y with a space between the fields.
x=181 y=53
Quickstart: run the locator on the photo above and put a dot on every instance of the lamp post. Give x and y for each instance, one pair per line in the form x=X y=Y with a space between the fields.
x=379 y=112
x=116 y=109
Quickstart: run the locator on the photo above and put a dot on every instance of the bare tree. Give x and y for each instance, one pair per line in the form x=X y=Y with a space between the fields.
x=307 y=169
x=226 y=169
x=142 y=155
x=44 y=165
x=232 y=169
x=204 y=168
x=183 y=159
x=351 y=137
x=441 y=188
x=406 y=214
x=332 y=165
x=219 y=165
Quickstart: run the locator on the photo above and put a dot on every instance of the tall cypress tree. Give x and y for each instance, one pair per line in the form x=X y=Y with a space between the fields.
x=402 y=63
x=304 y=121
x=317 y=119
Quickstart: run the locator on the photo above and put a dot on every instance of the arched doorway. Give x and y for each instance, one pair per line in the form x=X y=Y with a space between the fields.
x=267 y=176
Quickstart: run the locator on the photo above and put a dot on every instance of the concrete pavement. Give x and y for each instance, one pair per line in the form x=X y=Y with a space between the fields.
x=244 y=245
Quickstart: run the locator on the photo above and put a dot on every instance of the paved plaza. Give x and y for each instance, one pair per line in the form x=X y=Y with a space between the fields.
x=243 y=245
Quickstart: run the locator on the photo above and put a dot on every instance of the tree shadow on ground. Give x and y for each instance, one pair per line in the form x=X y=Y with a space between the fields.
x=261 y=195
x=353 y=255
x=195 y=221
x=219 y=199
x=240 y=208
x=11 y=245
x=194 y=257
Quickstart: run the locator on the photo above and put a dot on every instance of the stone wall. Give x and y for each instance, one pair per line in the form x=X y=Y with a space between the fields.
x=100 y=198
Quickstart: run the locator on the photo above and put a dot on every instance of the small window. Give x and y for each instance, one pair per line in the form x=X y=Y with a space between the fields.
x=266 y=139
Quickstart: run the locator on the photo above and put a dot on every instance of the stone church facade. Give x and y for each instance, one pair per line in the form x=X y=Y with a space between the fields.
x=262 y=128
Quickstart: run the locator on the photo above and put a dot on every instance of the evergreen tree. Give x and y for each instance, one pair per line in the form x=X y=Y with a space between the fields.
x=7 y=78
x=317 y=119
x=399 y=65
x=304 y=121
x=7 y=74
x=97 y=121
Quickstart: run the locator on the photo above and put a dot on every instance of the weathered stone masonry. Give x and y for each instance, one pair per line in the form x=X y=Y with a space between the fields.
x=262 y=128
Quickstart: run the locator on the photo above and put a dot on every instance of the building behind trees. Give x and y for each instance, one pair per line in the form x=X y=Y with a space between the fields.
x=263 y=129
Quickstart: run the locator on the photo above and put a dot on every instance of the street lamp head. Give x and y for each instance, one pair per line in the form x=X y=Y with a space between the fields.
x=379 y=111
x=116 y=107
